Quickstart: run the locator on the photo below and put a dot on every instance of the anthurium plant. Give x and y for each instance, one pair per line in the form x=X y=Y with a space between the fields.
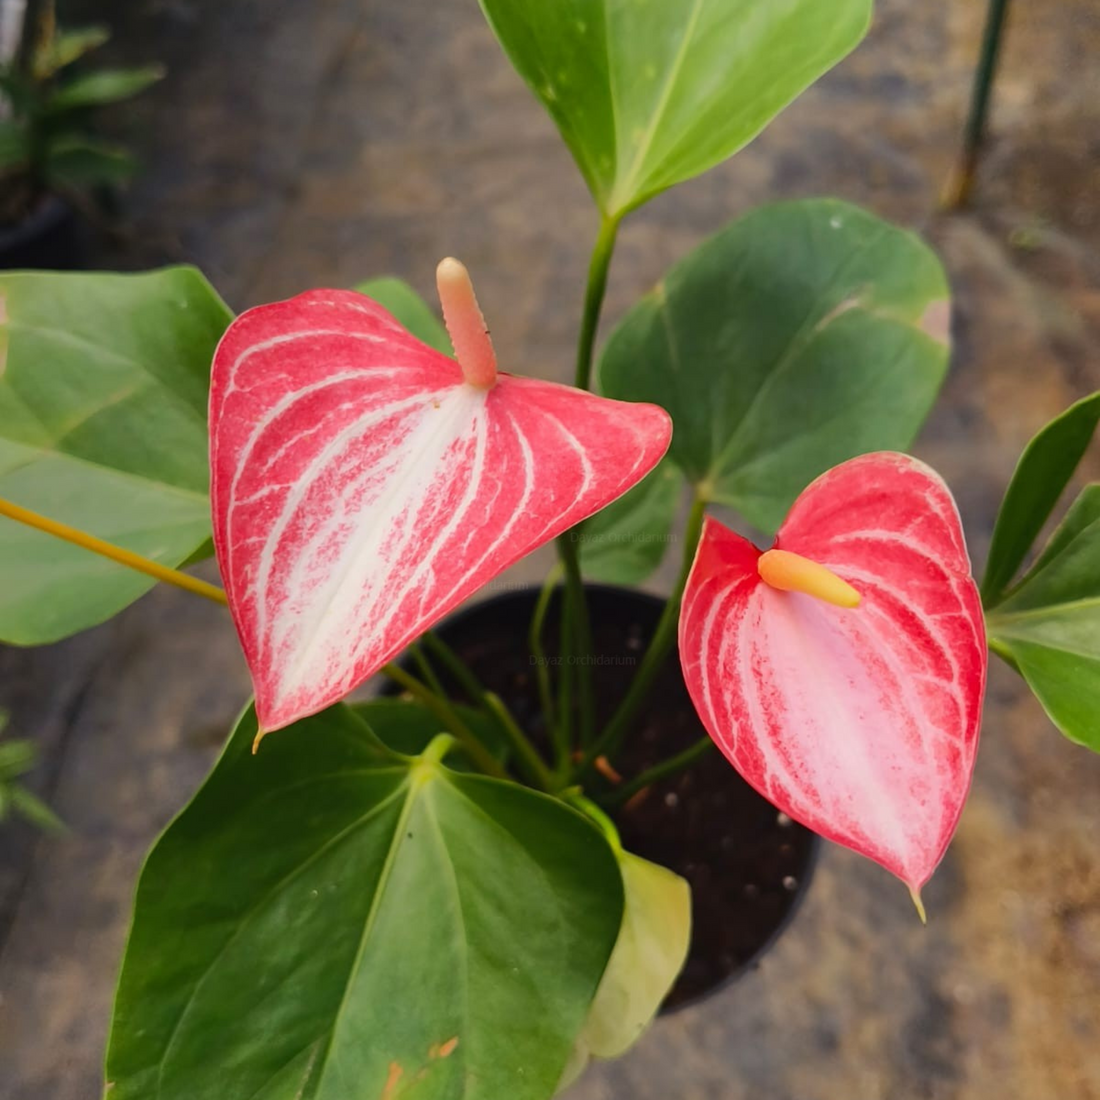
x=46 y=144
x=425 y=896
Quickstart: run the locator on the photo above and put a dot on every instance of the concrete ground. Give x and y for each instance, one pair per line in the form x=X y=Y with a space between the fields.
x=296 y=145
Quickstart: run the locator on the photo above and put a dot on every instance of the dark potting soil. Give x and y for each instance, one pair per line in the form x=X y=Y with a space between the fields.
x=747 y=864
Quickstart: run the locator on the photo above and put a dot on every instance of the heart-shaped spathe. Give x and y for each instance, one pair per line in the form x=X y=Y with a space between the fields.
x=861 y=723
x=361 y=488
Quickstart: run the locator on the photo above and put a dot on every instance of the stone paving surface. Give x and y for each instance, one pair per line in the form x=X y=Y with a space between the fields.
x=297 y=145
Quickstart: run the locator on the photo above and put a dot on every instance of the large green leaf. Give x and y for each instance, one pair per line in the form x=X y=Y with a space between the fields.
x=103 y=390
x=803 y=334
x=647 y=93
x=410 y=309
x=322 y=922
x=625 y=542
x=1041 y=475
x=1048 y=626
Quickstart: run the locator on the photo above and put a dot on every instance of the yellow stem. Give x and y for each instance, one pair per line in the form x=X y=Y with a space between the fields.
x=108 y=550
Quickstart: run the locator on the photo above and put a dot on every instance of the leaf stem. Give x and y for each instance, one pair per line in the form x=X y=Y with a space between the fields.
x=598 y=267
x=664 y=637
x=673 y=766
x=489 y=701
x=116 y=554
x=454 y=664
x=532 y=763
x=443 y=710
x=426 y=671
x=576 y=633
x=577 y=637
x=542 y=668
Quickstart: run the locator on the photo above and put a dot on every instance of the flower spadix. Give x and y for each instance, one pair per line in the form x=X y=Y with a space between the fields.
x=363 y=484
x=842 y=672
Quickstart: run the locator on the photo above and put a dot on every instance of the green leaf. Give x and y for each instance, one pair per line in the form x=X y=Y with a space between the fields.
x=103 y=392
x=16 y=758
x=34 y=810
x=102 y=87
x=649 y=955
x=410 y=309
x=1048 y=626
x=626 y=542
x=80 y=163
x=408 y=727
x=803 y=334
x=323 y=923
x=647 y=93
x=66 y=47
x=1041 y=476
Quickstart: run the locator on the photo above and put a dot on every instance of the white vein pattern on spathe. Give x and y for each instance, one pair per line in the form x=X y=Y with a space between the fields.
x=352 y=583
x=741 y=646
x=358 y=643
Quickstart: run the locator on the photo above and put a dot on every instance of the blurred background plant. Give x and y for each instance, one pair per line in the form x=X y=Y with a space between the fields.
x=47 y=142
x=17 y=757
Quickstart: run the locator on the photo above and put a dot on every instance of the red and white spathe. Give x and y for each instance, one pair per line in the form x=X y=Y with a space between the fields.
x=861 y=722
x=363 y=484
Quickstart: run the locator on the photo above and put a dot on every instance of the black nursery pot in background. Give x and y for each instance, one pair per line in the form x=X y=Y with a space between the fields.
x=748 y=865
x=48 y=238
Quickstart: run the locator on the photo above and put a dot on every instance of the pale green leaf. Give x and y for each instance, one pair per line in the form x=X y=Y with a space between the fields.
x=103 y=393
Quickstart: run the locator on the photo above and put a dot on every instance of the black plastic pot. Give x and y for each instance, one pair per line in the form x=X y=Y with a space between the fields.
x=749 y=866
x=49 y=239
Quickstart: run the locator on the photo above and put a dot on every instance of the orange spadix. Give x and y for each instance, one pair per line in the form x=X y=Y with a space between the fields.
x=791 y=572
x=466 y=324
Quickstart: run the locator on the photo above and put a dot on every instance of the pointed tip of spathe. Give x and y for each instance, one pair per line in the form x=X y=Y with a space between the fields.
x=919 y=905
x=260 y=735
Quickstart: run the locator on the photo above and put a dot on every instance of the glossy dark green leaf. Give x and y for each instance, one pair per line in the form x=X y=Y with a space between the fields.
x=803 y=334
x=103 y=86
x=647 y=93
x=323 y=922
x=1041 y=476
x=410 y=309
x=628 y=540
x=1048 y=626
x=103 y=391
x=408 y=727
